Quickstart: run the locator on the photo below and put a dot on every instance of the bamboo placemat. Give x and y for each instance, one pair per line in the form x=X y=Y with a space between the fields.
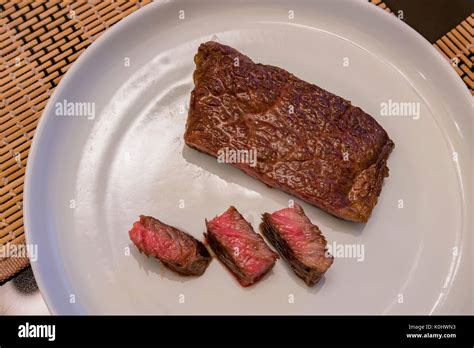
x=39 y=40
x=457 y=46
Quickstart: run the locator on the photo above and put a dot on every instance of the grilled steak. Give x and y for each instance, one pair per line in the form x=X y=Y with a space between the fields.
x=309 y=143
x=298 y=241
x=176 y=249
x=240 y=249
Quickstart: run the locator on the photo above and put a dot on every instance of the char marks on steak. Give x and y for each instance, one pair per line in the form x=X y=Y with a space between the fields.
x=176 y=249
x=309 y=142
x=298 y=241
x=240 y=249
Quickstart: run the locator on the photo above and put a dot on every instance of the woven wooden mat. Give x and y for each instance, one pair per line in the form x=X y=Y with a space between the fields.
x=39 y=40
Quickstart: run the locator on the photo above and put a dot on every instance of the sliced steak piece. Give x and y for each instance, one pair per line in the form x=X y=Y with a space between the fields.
x=176 y=249
x=240 y=249
x=298 y=241
x=309 y=143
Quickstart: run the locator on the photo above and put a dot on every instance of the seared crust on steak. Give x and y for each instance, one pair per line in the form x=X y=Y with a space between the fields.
x=310 y=143
x=298 y=241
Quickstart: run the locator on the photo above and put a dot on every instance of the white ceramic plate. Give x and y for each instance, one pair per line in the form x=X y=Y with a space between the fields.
x=89 y=178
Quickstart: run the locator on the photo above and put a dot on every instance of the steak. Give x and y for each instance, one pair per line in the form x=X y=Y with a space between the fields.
x=176 y=249
x=308 y=142
x=239 y=248
x=298 y=241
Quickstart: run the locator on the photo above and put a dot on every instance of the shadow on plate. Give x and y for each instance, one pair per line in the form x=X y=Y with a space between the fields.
x=150 y=264
x=234 y=175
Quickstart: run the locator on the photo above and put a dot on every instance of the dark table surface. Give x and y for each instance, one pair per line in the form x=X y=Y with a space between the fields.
x=432 y=18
